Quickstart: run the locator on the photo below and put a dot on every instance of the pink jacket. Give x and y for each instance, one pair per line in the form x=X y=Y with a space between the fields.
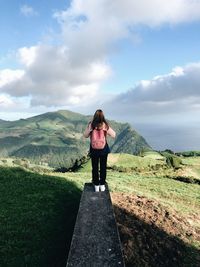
x=88 y=130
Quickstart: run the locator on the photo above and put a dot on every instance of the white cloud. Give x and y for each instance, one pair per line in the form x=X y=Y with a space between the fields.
x=51 y=80
x=5 y=101
x=166 y=98
x=151 y=13
x=165 y=110
x=27 y=55
x=91 y=27
x=8 y=76
x=15 y=104
x=28 y=11
x=13 y=108
x=72 y=73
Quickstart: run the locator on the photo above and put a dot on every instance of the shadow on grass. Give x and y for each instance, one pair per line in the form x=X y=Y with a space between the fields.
x=147 y=245
x=37 y=217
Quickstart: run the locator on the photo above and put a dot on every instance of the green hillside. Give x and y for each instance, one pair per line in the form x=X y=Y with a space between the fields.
x=191 y=153
x=37 y=216
x=56 y=138
x=155 y=215
x=2 y=121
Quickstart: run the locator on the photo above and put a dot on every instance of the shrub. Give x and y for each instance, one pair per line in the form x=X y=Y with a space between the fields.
x=172 y=161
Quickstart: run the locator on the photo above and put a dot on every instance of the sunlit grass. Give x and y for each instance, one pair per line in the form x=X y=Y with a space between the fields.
x=182 y=197
x=37 y=212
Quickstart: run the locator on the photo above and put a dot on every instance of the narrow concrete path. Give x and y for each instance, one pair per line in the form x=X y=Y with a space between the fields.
x=95 y=241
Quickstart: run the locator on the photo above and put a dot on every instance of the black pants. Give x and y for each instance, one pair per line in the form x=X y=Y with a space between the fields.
x=102 y=159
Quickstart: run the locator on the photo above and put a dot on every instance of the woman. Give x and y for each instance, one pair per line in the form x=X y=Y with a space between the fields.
x=98 y=129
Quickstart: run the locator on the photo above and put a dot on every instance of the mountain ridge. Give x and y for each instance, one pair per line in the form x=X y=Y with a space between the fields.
x=56 y=138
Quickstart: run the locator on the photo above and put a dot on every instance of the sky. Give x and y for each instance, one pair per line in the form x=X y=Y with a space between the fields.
x=139 y=61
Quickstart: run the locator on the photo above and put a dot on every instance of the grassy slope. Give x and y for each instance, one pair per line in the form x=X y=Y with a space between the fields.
x=182 y=197
x=37 y=215
x=41 y=221
x=192 y=165
x=131 y=161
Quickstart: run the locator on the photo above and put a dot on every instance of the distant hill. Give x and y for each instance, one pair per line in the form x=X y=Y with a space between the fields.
x=2 y=121
x=192 y=153
x=56 y=138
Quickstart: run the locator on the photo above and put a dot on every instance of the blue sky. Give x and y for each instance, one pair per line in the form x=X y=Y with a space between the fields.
x=158 y=52
x=18 y=29
x=137 y=60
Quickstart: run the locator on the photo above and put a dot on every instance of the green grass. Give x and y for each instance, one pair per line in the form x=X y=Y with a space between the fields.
x=85 y=168
x=182 y=197
x=38 y=212
x=37 y=216
x=131 y=161
x=127 y=161
x=191 y=161
x=152 y=154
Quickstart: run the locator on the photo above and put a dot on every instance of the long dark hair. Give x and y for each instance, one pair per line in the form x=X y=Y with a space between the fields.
x=99 y=119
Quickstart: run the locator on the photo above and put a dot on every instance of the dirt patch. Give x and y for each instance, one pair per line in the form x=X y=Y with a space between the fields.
x=153 y=235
